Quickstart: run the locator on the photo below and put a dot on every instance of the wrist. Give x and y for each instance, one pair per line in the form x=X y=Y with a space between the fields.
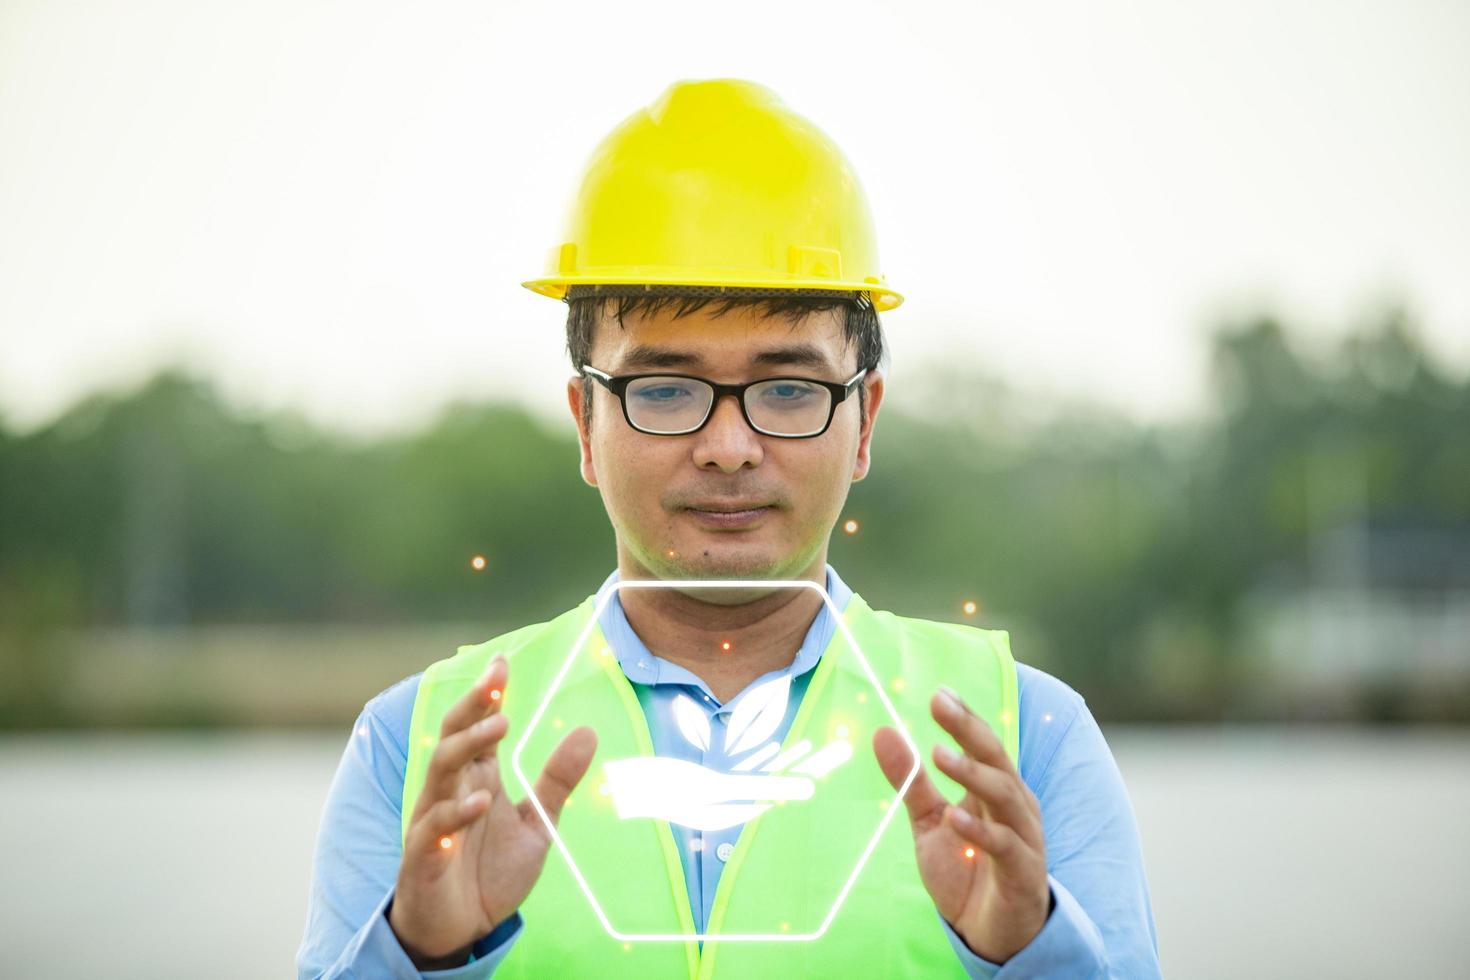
x=419 y=957
x=421 y=962
x=1000 y=948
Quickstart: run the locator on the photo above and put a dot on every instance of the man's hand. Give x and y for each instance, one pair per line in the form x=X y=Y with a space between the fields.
x=471 y=855
x=984 y=859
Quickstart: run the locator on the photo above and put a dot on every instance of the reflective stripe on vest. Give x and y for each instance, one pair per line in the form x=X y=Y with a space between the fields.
x=790 y=865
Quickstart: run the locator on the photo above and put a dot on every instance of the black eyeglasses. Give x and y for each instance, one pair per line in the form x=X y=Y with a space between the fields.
x=678 y=404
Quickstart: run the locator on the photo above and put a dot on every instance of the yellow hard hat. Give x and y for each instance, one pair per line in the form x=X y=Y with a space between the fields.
x=718 y=184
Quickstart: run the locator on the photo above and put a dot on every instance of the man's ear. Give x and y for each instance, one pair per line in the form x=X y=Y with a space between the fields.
x=873 y=383
x=584 y=433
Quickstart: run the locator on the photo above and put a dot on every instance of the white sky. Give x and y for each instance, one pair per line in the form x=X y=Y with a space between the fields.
x=331 y=205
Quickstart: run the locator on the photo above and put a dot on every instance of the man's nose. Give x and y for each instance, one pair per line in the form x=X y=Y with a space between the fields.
x=726 y=441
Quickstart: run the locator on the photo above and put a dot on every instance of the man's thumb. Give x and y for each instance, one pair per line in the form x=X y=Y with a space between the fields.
x=565 y=769
x=897 y=761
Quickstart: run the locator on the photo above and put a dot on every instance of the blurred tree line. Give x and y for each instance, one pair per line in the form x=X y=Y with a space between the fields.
x=1116 y=555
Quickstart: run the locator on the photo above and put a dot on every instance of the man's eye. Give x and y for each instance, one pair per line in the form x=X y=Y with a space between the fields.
x=788 y=393
x=662 y=394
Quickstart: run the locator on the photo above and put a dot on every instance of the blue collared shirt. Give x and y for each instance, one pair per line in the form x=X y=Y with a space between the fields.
x=1101 y=923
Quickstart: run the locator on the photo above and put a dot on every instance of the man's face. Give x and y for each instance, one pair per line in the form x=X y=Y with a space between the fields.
x=650 y=483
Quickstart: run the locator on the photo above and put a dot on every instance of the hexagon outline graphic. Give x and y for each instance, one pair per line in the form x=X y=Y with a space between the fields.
x=888 y=813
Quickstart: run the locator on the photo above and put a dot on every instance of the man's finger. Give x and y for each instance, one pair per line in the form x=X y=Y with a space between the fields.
x=443 y=820
x=564 y=770
x=975 y=736
x=924 y=802
x=1003 y=796
x=483 y=697
x=1004 y=846
x=452 y=754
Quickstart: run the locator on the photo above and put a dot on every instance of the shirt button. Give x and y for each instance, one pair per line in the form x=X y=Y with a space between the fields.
x=724 y=851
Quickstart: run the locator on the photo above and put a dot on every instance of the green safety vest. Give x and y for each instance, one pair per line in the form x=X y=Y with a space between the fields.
x=789 y=865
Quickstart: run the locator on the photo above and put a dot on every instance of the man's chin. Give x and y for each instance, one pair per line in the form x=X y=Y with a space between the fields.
x=719 y=561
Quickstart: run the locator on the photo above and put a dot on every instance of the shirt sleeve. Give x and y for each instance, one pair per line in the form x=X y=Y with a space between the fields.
x=355 y=865
x=976 y=966
x=1100 y=924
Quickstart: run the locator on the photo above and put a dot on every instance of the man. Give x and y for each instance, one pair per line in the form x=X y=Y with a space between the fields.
x=724 y=291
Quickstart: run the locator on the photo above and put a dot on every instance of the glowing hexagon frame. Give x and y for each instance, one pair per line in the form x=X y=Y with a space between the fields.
x=888 y=813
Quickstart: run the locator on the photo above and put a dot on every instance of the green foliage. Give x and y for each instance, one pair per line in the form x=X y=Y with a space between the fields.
x=1117 y=556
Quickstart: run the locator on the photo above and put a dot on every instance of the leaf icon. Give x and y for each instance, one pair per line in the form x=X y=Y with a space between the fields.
x=757 y=716
x=790 y=757
x=692 y=722
x=765 y=753
x=826 y=759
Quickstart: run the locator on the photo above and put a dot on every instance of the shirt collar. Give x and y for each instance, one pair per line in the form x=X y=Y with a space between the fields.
x=642 y=667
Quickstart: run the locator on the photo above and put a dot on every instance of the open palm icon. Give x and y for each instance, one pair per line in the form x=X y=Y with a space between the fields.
x=696 y=796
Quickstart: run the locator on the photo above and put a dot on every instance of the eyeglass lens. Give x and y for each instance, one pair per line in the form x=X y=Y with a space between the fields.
x=781 y=406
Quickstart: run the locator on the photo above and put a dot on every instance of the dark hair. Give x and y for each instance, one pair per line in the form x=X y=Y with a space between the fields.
x=586 y=304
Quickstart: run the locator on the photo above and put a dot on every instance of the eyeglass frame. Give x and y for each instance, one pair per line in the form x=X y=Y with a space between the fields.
x=618 y=385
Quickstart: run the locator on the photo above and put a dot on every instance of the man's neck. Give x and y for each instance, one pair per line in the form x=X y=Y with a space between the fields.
x=726 y=646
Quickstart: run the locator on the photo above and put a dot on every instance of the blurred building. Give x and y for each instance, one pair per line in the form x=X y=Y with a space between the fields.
x=1378 y=605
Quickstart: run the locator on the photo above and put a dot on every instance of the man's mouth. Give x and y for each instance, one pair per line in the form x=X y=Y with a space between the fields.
x=729 y=515
x=729 y=507
x=738 y=510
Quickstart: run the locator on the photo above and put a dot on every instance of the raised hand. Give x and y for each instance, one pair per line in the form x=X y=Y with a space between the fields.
x=471 y=855
x=983 y=860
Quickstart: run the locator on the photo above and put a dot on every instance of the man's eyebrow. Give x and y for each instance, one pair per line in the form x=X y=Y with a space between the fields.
x=652 y=356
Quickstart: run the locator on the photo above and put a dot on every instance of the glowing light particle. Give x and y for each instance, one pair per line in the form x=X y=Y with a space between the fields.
x=446 y=842
x=1046 y=717
x=970 y=853
x=898 y=683
x=478 y=563
x=842 y=731
x=725 y=646
x=785 y=927
x=1005 y=717
x=627 y=947
x=850 y=527
x=556 y=723
x=362 y=730
x=495 y=694
x=970 y=607
x=862 y=697
x=426 y=741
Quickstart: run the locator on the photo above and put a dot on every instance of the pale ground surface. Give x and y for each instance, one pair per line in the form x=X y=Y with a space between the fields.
x=1270 y=852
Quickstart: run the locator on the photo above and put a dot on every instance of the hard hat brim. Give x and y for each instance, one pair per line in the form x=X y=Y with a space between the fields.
x=556 y=287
